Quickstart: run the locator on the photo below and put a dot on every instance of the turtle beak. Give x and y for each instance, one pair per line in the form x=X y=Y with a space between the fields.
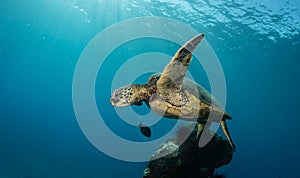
x=114 y=101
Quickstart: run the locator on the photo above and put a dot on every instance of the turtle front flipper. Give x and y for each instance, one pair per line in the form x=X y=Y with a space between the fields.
x=175 y=71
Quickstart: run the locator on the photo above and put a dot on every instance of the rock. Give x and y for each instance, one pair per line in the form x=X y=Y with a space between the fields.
x=187 y=159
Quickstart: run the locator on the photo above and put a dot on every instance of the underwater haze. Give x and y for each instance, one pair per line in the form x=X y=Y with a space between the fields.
x=256 y=41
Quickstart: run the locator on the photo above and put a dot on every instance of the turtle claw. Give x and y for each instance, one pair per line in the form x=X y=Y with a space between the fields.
x=139 y=103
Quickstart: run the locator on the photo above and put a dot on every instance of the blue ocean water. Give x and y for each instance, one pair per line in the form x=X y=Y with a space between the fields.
x=257 y=42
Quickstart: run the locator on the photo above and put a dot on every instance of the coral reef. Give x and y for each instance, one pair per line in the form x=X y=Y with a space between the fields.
x=187 y=159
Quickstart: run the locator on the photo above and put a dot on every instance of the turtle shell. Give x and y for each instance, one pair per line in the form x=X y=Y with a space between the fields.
x=195 y=89
x=201 y=93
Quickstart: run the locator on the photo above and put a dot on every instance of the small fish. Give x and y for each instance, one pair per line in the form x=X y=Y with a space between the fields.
x=145 y=130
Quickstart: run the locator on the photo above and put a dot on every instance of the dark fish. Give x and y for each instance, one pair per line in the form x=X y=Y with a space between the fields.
x=145 y=130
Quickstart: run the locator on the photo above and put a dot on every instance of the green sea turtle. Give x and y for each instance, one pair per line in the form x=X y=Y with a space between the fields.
x=172 y=95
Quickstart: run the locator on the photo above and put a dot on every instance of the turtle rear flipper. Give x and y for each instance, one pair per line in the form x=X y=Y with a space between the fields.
x=226 y=133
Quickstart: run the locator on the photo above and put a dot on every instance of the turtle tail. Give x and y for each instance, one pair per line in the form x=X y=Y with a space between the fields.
x=226 y=132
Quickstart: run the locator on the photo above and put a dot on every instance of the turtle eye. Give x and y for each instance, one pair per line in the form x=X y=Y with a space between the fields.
x=118 y=93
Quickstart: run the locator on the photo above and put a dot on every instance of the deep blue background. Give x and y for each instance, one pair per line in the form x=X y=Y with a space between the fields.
x=257 y=42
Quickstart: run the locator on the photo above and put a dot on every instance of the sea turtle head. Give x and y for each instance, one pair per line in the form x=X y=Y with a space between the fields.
x=127 y=95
